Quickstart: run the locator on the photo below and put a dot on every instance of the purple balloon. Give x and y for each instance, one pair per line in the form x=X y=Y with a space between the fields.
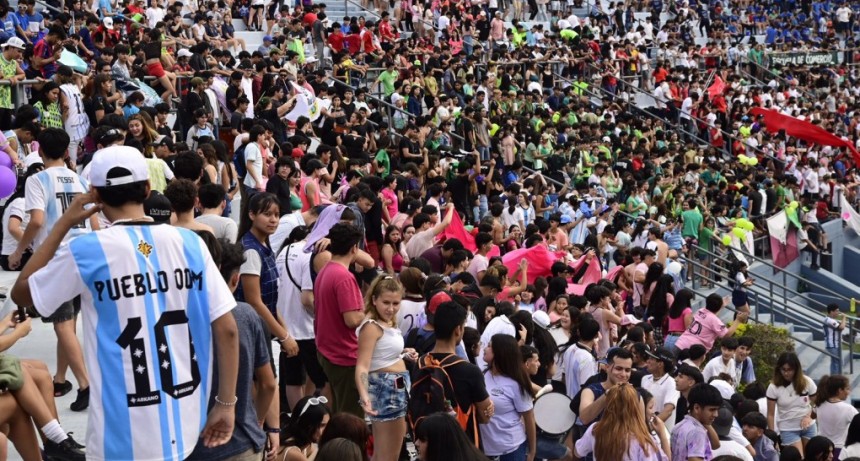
x=5 y=160
x=8 y=181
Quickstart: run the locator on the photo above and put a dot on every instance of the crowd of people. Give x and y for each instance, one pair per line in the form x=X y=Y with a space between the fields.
x=441 y=217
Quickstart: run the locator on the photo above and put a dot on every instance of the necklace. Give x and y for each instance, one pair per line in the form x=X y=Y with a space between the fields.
x=130 y=220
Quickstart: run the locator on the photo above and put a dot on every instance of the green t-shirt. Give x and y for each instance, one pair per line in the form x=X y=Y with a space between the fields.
x=692 y=220
x=387 y=79
x=7 y=70
x=705 y=238
x=384 y=161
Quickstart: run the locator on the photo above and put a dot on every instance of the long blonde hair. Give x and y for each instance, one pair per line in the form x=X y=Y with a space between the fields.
x=380 y=285
x=622 y=421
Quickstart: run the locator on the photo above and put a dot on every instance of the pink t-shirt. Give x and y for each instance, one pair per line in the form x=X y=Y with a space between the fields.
x=705 y=329
x=336 y=292
x=392 y=196
x=677 y=325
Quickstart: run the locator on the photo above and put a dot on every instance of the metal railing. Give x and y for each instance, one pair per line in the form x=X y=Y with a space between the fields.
x=391 y=107
x=710 y=274
x=730 y=137
x=775 y=293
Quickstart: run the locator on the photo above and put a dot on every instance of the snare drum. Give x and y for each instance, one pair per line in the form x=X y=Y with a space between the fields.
x=552 y=413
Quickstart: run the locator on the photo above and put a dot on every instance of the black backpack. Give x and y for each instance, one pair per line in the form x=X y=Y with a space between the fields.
x=433 y=392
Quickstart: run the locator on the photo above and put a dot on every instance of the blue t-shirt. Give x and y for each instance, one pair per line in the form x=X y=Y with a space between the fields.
x=10 y=22
x=253 y=354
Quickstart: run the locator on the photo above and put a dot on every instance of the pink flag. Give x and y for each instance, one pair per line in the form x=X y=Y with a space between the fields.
x=540 y=261
x=784 y=253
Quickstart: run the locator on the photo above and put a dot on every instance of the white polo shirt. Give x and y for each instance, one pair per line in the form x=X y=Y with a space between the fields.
x=664 y=392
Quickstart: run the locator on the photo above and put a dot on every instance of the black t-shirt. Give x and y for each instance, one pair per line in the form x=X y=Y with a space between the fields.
x=459 y=189
x=467 y=127
x=469 y=388
x=232 y=96
x=772 y=198
x=96 y=104
x=373 y=223
x=756 y=201
x=281 y=188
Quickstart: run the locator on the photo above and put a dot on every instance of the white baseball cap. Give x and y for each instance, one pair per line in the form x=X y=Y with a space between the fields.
x=14 y=42
x=183 y=53
x=118 y=165
x=108 y=21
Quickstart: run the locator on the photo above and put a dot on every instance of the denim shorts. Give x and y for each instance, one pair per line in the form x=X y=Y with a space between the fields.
x=789 y=437
x=389 y=395
x=67 y=311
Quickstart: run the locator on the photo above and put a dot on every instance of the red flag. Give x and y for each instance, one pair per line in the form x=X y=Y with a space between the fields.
x=457 y=230
x=801 y=129
x=716 y=88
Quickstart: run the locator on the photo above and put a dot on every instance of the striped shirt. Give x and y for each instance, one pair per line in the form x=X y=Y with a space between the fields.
x=148 y=295
x=52 y=191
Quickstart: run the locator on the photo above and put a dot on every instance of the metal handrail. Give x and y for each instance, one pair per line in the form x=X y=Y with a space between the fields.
x=726 y=134
x=785 y=274
x=391 y=106
x=779 y=77
x=773 y=301
x=374 y=13
x=830 y=293
x=591 y=92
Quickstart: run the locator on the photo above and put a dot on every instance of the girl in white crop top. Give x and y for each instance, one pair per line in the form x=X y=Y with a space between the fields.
x=380 y=373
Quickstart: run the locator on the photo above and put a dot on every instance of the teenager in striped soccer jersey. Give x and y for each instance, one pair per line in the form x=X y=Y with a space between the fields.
x=154 y=305
x=48 y=194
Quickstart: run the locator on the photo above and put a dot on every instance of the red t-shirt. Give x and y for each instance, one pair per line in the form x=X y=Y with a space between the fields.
x=353 y=43
x=336 y=292
x=336 y=41
x=367 y=39
x=660 y=74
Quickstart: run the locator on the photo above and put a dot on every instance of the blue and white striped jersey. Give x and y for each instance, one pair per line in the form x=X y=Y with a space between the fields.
x=52 y=191
x=149 y=294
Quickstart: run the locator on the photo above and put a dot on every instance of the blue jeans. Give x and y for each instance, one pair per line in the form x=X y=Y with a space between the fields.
x=517 y=455
x=835 y=360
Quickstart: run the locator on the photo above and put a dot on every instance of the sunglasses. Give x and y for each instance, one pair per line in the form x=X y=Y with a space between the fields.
x=313 y=401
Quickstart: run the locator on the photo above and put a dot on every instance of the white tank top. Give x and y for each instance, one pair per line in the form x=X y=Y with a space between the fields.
x=389 y=347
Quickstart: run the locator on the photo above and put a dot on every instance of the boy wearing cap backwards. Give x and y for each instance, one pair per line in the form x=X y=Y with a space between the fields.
x=154 y=305
x=660 y=364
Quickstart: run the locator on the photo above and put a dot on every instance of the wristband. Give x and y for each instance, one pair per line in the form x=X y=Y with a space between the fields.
x=271 y=430
x=226 y=404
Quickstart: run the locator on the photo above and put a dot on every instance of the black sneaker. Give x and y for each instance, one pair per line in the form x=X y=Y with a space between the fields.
x=63 y=451
x=815 y=267
x=75 y=442
x=83 y=401
x=61 y=389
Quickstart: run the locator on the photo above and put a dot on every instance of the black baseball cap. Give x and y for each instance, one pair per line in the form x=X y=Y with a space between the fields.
x=157 y=207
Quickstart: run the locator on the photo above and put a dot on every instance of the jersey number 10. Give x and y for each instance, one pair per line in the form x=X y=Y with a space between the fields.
x=143 y=394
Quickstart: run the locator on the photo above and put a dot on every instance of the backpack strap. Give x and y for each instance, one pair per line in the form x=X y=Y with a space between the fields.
x=289 y=273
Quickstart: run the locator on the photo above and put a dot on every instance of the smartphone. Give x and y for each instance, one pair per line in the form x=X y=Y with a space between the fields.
x=22 y=314
x=399 y=382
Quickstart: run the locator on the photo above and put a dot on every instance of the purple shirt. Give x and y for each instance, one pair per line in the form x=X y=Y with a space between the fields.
x=585 y=445
x=690 y=438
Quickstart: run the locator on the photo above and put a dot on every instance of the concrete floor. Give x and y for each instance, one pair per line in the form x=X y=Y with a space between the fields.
x=41 y=344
